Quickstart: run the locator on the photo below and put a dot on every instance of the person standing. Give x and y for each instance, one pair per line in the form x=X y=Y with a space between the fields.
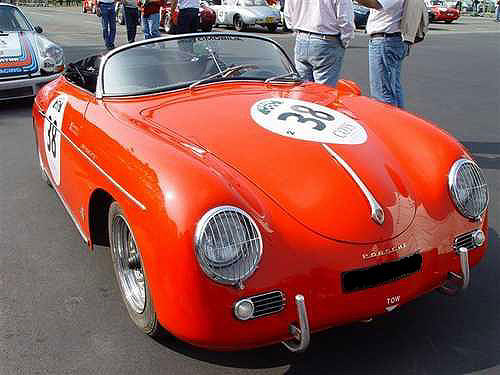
x=386 y=50
x=131 y=12
x=151 y=17
x=188 y=20
x=497 y=11
x=106 y=10
x=324 y=28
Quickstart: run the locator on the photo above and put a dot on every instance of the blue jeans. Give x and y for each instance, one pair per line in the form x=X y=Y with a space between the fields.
x=318 y=60
x=108 y=21
x=385 y=57
x=497 y=13
x=151 y=25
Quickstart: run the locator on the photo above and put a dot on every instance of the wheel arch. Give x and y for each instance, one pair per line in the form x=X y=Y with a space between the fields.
x=98 y=208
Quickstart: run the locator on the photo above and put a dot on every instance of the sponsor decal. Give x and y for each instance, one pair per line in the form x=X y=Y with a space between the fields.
x=307 y=121
x=52 y=135
x=17 y=55
x=378 y=253
x=392 y=303
x=217 y=37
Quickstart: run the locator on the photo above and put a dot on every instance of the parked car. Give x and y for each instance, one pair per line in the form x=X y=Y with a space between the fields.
x=243 y=14
x=89 y=6
x=268 y=219
x=439 y=11
x=207 y=18
x=28 y=60
x=361 y=14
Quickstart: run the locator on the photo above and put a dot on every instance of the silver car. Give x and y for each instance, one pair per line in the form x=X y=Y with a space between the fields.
x=244 y=13
x=27 y=59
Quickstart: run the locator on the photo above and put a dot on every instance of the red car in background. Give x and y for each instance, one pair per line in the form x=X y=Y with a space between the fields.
x=89 y=6
x=207 y=18
x=440 y=11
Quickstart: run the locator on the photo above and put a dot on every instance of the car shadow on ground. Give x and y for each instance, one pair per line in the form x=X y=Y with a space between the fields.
x=486 y=154
x=434 y=334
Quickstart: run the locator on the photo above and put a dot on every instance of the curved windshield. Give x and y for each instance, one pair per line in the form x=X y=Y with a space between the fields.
x=11 y=19
x=179 y=62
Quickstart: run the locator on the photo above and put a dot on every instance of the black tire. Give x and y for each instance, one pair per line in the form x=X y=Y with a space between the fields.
x=146 y=319
x=448 y=21
x=239 y=25
x=206 y=28
x=272 y=27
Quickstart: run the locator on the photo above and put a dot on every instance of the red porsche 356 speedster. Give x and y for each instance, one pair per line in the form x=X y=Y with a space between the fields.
x=293 y=207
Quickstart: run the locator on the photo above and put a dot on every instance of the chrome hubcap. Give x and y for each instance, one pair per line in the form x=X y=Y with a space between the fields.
x=128 y=265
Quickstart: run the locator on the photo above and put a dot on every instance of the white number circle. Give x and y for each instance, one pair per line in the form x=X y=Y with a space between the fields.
x=307 y=121
x=52 y=135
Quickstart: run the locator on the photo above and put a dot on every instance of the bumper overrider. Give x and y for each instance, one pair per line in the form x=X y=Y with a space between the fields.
x=23 y=87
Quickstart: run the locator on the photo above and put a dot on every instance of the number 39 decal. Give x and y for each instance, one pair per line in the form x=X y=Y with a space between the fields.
x=52 y=135
x=307 y=121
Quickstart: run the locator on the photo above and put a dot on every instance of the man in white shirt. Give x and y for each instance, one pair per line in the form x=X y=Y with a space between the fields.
x=323 y=29
x=386 y=50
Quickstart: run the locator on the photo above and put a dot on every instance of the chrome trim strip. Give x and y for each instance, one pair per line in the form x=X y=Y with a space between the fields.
x=67 y=208
x=377 y=213
x=96 y=166
x=301 y=334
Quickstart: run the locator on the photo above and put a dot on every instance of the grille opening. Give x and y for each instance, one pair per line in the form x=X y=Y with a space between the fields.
x=380 y=274
x=268 y=303
x=465 y=240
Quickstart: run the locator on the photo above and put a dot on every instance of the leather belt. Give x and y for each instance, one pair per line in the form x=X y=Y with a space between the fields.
x=322 y=36
x=384 y=35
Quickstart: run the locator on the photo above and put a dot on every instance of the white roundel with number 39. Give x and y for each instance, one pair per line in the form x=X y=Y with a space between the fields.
x=307 y=121
x=52 y=135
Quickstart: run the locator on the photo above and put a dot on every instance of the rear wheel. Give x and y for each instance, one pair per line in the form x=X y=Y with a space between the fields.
x=129 y=272
x=239 y=25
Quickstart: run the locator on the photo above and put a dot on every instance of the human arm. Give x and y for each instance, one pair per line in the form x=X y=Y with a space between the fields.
x=345 y=21
x=374 y=4
x=287 y=12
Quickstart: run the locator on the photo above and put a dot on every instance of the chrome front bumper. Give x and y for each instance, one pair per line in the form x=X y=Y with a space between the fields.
x=24 y=87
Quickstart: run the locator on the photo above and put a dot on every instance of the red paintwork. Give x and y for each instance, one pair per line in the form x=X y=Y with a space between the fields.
x=451 y=14
x=314 y=222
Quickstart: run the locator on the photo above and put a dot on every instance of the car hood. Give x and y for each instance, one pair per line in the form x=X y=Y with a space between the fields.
x=18 y=55
x=300 y=175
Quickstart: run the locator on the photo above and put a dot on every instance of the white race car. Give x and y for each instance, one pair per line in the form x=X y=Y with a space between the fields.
x=27 y=59
x=244 y=13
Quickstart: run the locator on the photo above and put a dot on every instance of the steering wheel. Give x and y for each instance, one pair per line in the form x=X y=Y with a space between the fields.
x=75 y=69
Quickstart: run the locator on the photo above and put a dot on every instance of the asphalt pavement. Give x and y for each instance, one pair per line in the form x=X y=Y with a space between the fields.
x=61 y=310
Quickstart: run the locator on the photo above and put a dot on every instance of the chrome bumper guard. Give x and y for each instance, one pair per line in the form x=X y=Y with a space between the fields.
x=302 y=333
x=458 y=283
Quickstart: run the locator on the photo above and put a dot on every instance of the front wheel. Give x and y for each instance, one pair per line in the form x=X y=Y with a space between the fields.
x=239 y=25
x=272 y=27
x=129 y=272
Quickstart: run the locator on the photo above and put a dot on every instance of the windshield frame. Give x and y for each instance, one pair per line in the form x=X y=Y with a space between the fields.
x=100 y=94
x=30 y=26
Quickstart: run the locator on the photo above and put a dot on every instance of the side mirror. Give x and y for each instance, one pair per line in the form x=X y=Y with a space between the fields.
x=38 y=29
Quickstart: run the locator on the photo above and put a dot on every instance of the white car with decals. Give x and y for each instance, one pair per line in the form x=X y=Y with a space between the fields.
x=27 y=59
x=245 y=13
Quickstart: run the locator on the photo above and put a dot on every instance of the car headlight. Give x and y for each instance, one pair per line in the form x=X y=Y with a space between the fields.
x=468 y=188
x=52 y=55
x=228 y=245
